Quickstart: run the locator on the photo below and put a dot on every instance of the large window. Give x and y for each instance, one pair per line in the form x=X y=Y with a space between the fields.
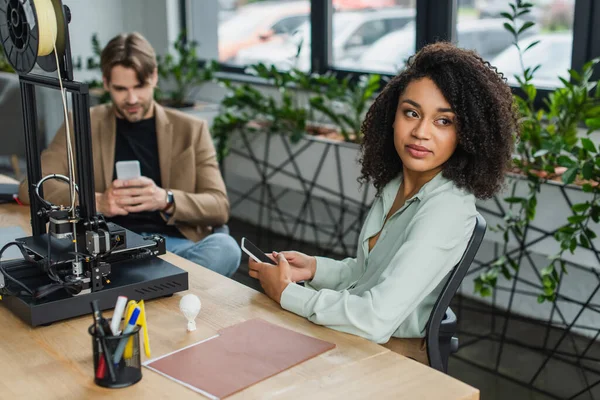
x=262 y=31
x=378 y=37
x=480 y=27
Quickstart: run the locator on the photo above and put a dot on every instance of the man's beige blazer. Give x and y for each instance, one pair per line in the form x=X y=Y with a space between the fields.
x=188 y=167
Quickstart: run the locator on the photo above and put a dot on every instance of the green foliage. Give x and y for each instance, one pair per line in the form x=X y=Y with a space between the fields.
x=549 y=139
x=184 y=71
x=330 y=101
x=4 y=64
x=351 y=96
x=93 y=64
x=245 y=107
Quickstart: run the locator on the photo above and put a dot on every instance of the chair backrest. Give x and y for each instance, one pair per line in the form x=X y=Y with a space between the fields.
x=455 y=278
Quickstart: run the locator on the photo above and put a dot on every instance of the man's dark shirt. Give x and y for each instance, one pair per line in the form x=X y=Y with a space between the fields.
x=137 y=141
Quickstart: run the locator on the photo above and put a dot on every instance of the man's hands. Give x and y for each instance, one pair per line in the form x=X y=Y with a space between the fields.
x=292 y=266
x=132 y=196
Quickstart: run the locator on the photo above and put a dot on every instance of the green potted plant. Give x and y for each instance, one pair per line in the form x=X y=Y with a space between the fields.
x=542 y=245
x=183 y=71
x=304 y=104
x=550 y=151
x=93 y=64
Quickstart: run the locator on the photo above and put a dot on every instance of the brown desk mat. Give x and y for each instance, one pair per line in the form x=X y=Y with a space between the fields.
x=242 y=355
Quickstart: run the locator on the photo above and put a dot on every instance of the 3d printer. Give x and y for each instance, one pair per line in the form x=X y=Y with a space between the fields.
x=62 y=270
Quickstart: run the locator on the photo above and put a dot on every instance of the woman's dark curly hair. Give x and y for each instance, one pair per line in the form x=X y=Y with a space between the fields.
x=486 y=120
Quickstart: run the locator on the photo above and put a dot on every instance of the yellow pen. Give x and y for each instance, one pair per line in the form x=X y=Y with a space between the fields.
x=130 y=306
x=142 y=320
x=128 y=353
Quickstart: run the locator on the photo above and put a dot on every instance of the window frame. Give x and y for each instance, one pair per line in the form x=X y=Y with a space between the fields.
x=435 y=20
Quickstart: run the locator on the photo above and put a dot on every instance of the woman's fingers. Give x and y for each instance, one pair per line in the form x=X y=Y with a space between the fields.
x=289 y=255
x=253 y=268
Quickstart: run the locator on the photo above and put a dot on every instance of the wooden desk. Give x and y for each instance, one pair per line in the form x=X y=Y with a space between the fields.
x=55 y=362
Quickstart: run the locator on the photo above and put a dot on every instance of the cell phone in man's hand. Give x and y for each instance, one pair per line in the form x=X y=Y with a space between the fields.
x=127 y=170
x=255 y=253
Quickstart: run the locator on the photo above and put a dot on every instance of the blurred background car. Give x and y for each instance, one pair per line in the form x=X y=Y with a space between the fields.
x=262 y=22
x=553 y=53
x=352 y=34
x=488 y=37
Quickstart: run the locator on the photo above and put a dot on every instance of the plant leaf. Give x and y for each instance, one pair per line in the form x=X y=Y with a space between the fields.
x=588 y=170
x=530 y=46
x=593 y=123
x=514 y=200
x=478 y=285
x=584 y=242
x=575 y=75
x=569 y=175
x=590 y=234
x=595 y=213
x=576 y=219
x=581 y=207
x=509 y=28
x=525 y=26
x=588 y=145
x=565 y=161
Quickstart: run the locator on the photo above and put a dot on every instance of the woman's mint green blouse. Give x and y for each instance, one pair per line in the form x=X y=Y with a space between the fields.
x=391 y=290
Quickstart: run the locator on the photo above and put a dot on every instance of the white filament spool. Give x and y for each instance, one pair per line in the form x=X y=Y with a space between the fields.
x=30 y=31
x=47 y=26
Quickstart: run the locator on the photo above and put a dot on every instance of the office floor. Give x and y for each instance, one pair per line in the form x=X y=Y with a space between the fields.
x=561 y=380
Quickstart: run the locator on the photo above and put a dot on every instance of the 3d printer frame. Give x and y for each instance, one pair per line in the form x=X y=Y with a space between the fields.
x=83 y=147
x=77 y=253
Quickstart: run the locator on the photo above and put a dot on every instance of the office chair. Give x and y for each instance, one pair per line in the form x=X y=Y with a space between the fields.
x=442 y=324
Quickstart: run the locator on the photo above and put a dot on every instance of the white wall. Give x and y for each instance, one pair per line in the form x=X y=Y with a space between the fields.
x=203 y=26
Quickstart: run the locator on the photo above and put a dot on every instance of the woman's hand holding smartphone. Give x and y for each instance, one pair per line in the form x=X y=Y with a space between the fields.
x=303 y=267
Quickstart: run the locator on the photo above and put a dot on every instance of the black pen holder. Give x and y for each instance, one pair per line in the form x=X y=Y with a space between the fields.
x=128 y=369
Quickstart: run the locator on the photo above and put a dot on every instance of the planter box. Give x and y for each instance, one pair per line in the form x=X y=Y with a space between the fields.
x=553 y=209
x=578 y=293
x=203 y=110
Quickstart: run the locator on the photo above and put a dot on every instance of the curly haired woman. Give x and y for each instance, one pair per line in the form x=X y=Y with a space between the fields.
x=438 y=136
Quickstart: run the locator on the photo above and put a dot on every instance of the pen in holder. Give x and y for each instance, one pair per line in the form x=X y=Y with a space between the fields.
x=128 y=370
